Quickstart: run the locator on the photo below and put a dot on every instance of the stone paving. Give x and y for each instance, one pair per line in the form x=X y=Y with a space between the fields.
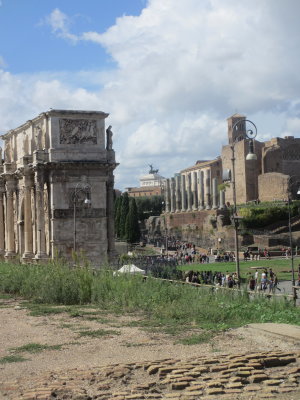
x=274 y=374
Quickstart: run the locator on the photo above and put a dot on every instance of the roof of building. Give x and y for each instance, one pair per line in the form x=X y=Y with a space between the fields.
x=143 y=189
x=237 y=115
x=201 y=164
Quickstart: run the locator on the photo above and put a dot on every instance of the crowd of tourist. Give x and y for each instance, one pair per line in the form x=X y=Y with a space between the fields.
x=266 y=281
x=212 y=278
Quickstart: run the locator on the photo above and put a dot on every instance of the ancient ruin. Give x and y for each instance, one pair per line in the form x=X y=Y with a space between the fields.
x=197 y=188
x=56 y=188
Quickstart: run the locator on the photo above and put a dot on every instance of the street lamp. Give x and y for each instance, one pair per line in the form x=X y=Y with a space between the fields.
x=290 y=185
x=251 y=156
x=81 y=196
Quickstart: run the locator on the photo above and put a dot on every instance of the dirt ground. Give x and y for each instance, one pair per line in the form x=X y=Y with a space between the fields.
x=123 y=343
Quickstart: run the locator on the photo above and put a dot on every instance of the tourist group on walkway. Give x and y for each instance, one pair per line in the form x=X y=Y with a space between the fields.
x=266 y=281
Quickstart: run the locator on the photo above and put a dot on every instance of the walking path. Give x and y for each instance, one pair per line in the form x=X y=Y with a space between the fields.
x=286 y=331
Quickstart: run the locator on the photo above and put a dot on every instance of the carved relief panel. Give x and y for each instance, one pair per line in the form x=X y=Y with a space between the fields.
x=77 y=131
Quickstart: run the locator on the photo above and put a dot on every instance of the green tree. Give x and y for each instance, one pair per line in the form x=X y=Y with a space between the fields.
x=132 y=229
x=148 y=206
x=124 y=213
x=118 y=209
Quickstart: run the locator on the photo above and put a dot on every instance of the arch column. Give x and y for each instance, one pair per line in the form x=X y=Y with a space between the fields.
x=40 y=215
x=10 y=250
x=28 y=242
x=2 y=223
x=110 y=218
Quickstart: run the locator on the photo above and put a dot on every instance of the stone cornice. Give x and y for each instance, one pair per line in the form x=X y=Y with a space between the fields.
x=54 y=113
x=76 y=113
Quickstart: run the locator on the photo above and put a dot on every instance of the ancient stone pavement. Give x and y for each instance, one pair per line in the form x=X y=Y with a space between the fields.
x=274 y=374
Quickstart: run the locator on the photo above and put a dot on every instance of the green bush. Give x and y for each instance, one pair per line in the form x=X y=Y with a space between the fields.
x=264 y=215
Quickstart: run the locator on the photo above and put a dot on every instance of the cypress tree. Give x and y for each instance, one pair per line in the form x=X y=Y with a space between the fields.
x=124 y=213
x=132 y=229
x=118 y=206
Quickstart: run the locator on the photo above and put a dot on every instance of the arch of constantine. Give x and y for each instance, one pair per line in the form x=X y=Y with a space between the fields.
x=51 y=165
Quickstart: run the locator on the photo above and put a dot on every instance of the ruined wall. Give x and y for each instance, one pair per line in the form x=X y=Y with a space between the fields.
x=246 y=172
x=272 y=186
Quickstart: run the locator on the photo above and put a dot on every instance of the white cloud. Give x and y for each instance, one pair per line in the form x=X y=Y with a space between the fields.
x=181 y=69
x=60 y=24
x=2 y=61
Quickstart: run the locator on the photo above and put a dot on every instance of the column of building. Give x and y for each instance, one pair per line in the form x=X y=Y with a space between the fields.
x=189 y=193
x=167 y=195
x=177 y=193
x=215 y=193
x=110 y=217
x=172 y=195
x=200 y=190
x=194 y=191
x=222 y=200
x=39 y=181
x=28 y=242
x=183 y=194
x=9 y=217
x=207 y=189
x=2 y=223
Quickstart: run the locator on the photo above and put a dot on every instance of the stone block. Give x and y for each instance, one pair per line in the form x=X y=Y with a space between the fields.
x=243 y=374
x=218 y=368
x=179 y=385
x=153 y=369
x=252 y=388
x=258 y=378
x=214 y=384
x=195 y=387
x=272 y=382
x=233 y=391
x=234 y=385
x=216 y=391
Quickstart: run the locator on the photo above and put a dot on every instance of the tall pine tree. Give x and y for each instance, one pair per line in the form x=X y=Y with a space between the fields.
x=118 y=206
x=132 y=229
x=124 y=213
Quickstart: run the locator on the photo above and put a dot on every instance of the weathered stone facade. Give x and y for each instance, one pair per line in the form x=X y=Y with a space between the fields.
x=51 y=164
x=194 y=193
x=267 y=178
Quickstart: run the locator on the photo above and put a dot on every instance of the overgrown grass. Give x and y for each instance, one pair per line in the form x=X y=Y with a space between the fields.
x=35 y=348
x=202 y=337
x=98 y=333
x=12 y=359
x=166 y=306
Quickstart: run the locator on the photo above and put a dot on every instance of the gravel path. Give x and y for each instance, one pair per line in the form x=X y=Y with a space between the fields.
x=123 y=344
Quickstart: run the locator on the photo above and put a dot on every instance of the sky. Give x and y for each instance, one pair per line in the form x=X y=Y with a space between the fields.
x=169 y=72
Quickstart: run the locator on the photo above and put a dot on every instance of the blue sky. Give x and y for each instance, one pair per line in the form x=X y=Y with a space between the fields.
x=28 y=46
x=168 y=72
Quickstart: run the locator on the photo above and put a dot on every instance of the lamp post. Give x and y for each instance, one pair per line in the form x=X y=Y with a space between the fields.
x=290 y=185
x=81 y=189
x=250 y=135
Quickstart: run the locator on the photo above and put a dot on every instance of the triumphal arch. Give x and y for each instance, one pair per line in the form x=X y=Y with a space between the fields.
x=56 y=188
